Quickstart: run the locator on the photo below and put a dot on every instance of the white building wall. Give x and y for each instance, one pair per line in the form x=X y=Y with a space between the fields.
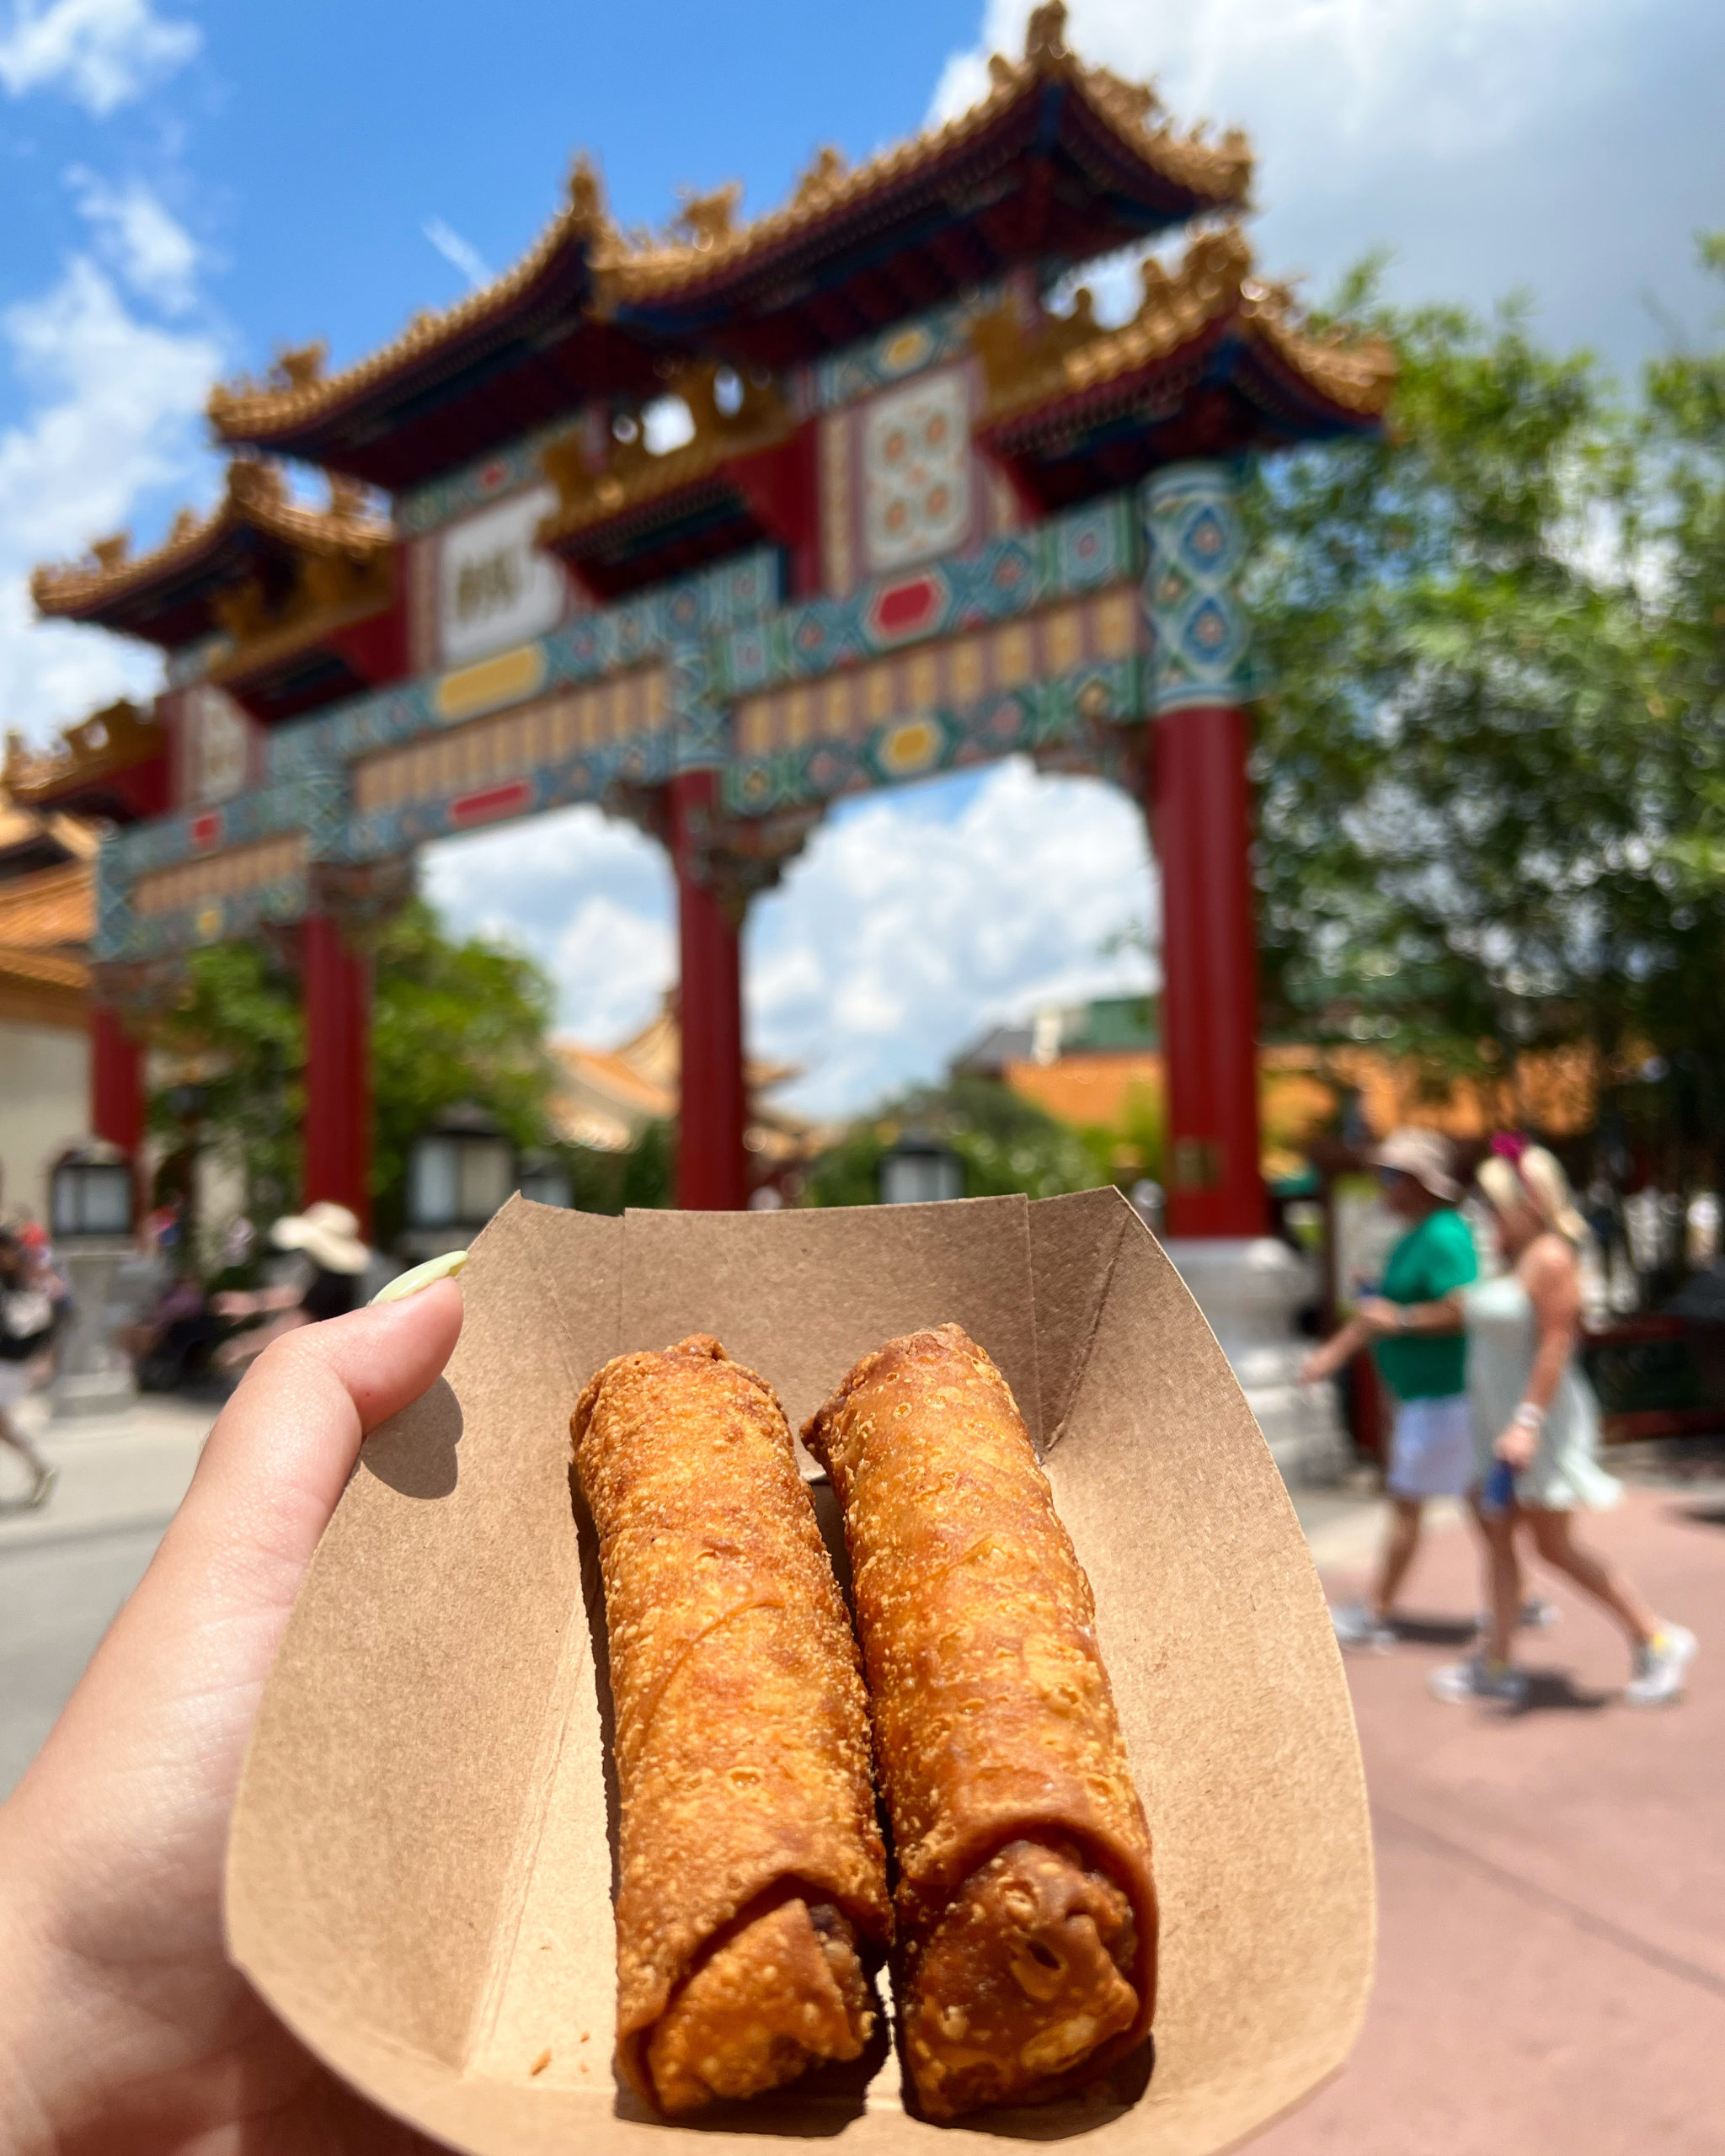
x=45 y=1091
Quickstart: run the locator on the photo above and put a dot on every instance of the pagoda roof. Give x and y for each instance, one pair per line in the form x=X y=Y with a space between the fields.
x=1214 y=362
x=1059 y=162
x=257 y=536
x=113 y=764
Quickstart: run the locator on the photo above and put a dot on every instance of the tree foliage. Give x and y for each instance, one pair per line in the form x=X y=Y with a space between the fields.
x=453 y=1022
x=1491 y=758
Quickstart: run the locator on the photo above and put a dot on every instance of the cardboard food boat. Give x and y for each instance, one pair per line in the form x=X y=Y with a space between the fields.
x=419 y=1869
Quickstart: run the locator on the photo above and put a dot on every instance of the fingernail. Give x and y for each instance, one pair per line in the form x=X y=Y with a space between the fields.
x=421 y=1275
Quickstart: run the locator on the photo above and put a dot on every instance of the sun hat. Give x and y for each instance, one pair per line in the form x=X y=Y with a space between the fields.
x=329 y=1235
x=1425 y=1156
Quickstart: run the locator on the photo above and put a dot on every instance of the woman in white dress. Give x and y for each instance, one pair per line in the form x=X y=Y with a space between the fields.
x=1536 y=1434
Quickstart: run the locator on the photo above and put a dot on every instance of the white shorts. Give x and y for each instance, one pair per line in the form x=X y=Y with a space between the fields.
x=15 y=1379
x=1431 y=1449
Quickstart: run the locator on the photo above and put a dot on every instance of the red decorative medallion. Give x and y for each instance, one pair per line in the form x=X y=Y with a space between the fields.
x=206 y=831
x=902 y=609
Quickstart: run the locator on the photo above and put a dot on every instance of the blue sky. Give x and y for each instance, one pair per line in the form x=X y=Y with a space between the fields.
x=190 y=183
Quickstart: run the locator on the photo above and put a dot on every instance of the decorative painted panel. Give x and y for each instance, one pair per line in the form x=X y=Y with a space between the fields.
x=194 y=884
x=917 y=479
x=217 y=746
x=494 y=587
x=957 y=671
x=586 y=647
x=420 y=509
x=569 y=747
x=1082 y=551
x=1194 y=546
x=892 y=355
x=1036 y=717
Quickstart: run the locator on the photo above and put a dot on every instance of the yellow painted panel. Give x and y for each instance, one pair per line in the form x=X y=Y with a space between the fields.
x=1117 y=624
x=504 y=679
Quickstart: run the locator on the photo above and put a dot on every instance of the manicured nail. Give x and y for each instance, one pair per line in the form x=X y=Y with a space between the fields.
x=421 y=1275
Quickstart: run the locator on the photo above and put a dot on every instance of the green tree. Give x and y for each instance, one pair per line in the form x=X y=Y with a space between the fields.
x=454 y=1021
x=1492 y=759
x=1006 y=1145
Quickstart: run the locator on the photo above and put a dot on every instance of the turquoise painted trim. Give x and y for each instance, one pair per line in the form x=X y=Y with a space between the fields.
x=136 y=936
x=1038 y=715
x=1081 y=551
x=1194 y=546
x=487 y=479
x=653 y=624
x=891 y=356
x=648 y=759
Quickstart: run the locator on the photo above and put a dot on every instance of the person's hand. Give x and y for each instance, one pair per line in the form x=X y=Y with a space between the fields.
x=122 y=2027
x=1319 y=1364
x=1380 y=1316
x=1516 y=1446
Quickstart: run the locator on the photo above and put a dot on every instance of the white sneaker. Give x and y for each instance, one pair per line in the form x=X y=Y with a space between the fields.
x=1357 y=1627
x=1476 y=1678
x=1661 y=1668
x=1535 y=1614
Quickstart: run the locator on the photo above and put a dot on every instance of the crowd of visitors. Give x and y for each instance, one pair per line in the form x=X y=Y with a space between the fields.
x=1491 y=1405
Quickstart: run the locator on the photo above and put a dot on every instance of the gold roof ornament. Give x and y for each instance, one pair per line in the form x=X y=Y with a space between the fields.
x=255 y=493
x=1060 y=356
x=825 y=172
x=1046 y=34
x=708 y=238
x=705 y=221
x=112 y=740
x=754 y=417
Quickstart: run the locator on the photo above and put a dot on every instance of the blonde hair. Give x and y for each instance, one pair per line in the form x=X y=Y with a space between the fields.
x=1537 y=1179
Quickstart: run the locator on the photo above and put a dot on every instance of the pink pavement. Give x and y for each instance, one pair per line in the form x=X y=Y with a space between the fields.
x=1552 y=1881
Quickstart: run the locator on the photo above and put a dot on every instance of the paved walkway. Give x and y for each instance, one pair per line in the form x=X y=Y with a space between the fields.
x=1552 y=1882
x=65 y=1570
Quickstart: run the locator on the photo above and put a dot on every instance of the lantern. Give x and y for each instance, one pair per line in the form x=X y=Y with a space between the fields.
x=919 y=1171
x=459 y=1172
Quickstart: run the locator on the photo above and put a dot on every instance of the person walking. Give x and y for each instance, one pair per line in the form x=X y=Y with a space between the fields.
x=328 y=1237
x=1536 y=1433
x=1413 y=1328
x=27 y=1317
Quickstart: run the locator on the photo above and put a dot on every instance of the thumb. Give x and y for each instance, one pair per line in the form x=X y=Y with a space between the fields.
x=281 y=1451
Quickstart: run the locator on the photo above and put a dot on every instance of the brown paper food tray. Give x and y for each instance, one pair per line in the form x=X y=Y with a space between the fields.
x=419 y=1869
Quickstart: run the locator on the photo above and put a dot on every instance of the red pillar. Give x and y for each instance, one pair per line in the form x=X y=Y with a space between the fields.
x=338 y=1137
x=116 y=1081
x=713 y=1163
x=1209 y=973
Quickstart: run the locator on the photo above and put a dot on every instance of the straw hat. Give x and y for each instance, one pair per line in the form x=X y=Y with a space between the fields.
x=1425 y=1156
x=329 y=1235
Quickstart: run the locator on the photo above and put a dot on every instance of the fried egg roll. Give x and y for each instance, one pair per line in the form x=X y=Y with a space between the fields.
x=1027 y=1918
x=752 y=1877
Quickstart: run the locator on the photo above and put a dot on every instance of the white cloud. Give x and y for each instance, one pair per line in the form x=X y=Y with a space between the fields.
x=155 y=254
x=914 y=920
x=461 y=253
x=589 y=896
x=900 y=934
x=100 y=53
x=1568 y=146
x=115 y=411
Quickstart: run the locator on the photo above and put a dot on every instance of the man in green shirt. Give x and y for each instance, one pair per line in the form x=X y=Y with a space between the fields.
x=1413 y=1328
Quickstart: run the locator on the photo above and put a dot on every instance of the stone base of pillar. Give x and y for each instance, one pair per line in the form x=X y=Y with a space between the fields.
x=1249 y=1288
x=94 y=1377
